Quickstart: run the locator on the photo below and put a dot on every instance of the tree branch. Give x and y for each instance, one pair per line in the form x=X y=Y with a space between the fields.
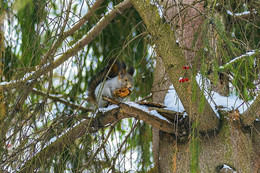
x=174 y=60
x=121 y=147
x=56 y=98
x=92 y=125
x=252 y=113
x=99 y=148
x=76 y=27
x=93 y=33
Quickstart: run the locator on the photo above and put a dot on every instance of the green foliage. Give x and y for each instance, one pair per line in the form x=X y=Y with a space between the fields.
x=32 y=28
x=141 y=139
x=30 y=15
x=37 y=25
x=225 y=38
x=11 y=63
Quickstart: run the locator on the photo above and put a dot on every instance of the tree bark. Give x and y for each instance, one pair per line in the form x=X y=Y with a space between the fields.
x=165 y=44
x=232 y=145
x=253 y=112
x=160 y=87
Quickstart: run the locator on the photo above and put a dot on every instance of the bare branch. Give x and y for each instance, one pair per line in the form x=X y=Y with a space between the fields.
x=121 y=146
x=100 y=148
x=56 y=98
x=76 y=27
x=84 y=19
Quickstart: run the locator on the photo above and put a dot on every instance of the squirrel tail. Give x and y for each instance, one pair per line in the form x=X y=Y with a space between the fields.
x=110 y=71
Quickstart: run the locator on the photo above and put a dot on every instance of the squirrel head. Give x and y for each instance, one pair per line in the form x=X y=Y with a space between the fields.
x=125 y=78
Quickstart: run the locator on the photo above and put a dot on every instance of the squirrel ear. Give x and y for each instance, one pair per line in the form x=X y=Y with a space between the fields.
x=121 y=65
x=121 y=73
x=131 y=71
x=114 y=71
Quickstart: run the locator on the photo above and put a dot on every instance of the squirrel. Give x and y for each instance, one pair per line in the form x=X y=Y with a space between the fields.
x=108 y=81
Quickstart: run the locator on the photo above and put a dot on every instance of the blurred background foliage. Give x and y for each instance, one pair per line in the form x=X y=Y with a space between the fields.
x=30 y=29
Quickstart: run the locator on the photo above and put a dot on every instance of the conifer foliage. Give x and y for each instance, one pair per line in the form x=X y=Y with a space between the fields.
x=50 y=51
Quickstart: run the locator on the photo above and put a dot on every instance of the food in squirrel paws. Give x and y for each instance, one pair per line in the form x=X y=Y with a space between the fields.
x=122 y=92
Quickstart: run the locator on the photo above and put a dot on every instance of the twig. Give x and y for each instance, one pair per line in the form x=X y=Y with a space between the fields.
x=100 y=148
x=64 y=35
x=121 y=146
x=93 y=33
x=56 y=98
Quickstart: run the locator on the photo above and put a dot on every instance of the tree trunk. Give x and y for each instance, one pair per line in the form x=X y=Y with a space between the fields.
x=231 y=145
x=160 y=87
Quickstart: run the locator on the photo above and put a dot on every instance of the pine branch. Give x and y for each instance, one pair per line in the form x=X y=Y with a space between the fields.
x=76 y=27
x=63 y=101
x=87 y=126
x=174 y=60
x=93 y=33
x=92 y=125
x=248 y=54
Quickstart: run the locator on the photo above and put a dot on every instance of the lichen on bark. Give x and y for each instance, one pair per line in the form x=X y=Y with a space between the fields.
x=174 y=59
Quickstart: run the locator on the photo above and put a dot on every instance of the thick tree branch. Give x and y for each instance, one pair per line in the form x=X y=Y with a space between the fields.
x=253 y=112
x=174 y=60
x=148 y=118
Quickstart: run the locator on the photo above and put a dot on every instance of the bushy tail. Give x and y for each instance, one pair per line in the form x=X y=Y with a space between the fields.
x=104 y=74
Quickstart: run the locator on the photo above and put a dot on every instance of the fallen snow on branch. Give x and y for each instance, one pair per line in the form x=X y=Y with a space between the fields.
x=238 y=58
x=215 y=100
x=145 y=109
x=172 y=101
x=240 y=14
x=7 y=83
x=110 y=107
x=25 y=78
x=227 y=168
